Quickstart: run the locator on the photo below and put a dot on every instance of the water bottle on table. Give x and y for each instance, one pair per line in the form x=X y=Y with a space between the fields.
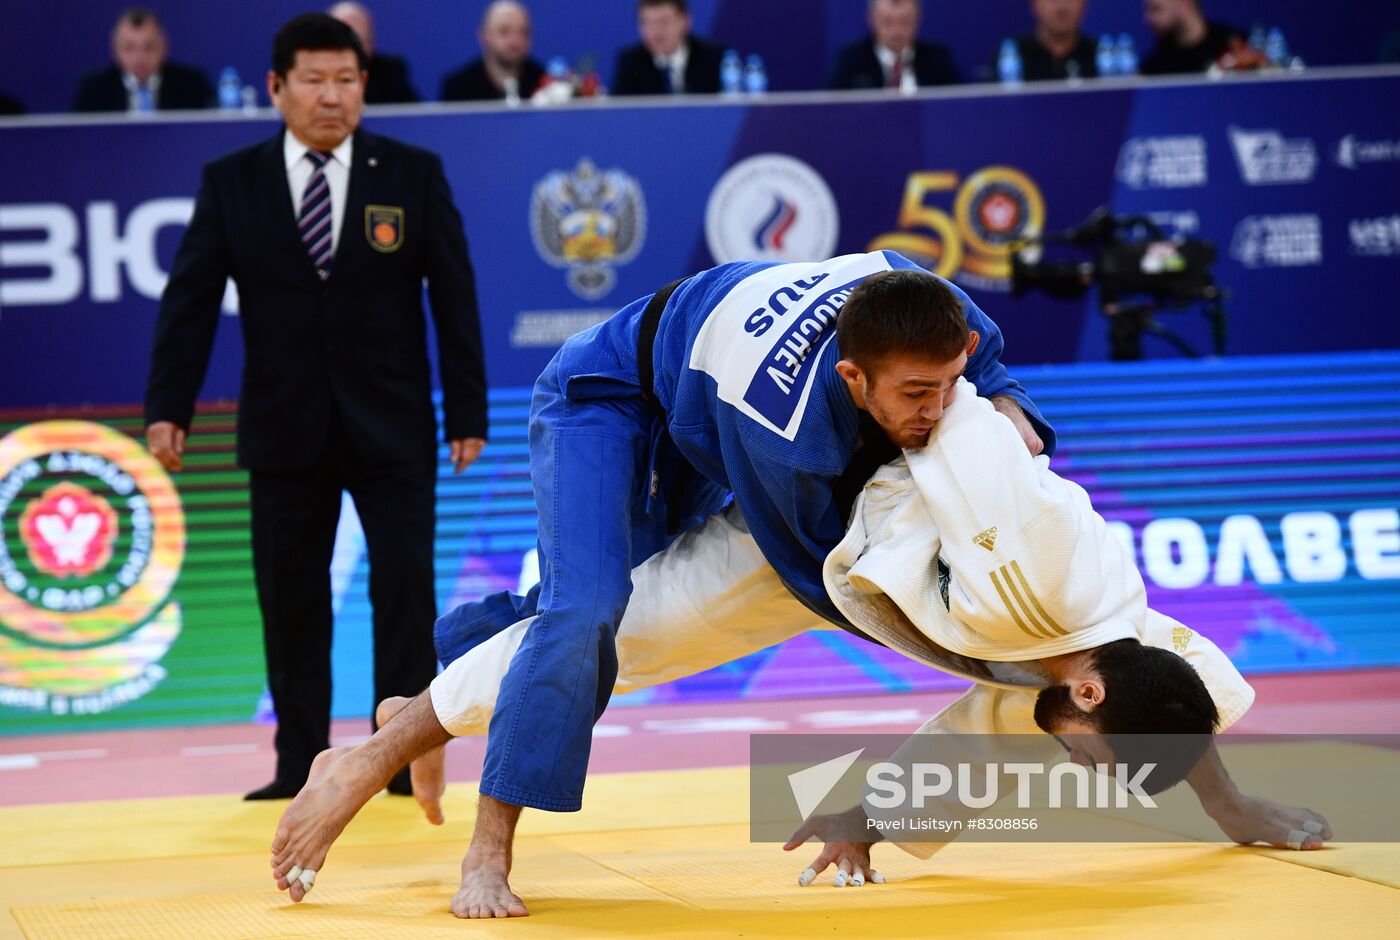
x=1009 y=63
x=230 y=90
x=731 y=73
x=1125 y=57
x=1105 y=59
x=755 y=75
x=1276 y=48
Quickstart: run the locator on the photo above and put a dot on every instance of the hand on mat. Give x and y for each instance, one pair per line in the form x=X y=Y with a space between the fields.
x=1249 y=819
x=166 y=442
x=852 y=859
x=1012 y=410
x=464 y=451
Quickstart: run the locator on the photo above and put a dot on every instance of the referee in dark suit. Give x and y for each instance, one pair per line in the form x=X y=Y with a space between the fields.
x=328 y=232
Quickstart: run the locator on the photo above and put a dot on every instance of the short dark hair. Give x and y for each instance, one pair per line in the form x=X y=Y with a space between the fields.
x=136 y=17
x=1155 y=710
x=903 y=311
x=680 y=5
x=313 y=32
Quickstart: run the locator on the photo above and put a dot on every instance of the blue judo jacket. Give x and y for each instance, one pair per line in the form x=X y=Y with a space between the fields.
x=744 y=361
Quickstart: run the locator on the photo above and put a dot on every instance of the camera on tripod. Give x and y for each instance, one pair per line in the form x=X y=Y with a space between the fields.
x=1138 y=272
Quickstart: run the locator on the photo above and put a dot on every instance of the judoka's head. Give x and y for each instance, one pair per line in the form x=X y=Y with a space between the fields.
x=1131 y=704
x=904 y=343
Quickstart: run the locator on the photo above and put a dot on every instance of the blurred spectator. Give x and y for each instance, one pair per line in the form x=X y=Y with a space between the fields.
x=1056 y=49
x=505 y=69
x=893 y=56
x=669 y=60
x=388 y=75
x=10 y=105
x=1186 y=40
x=141 y=80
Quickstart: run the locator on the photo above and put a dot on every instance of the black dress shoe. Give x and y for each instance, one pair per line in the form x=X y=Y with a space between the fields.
x=401 y=784
x=276 y=790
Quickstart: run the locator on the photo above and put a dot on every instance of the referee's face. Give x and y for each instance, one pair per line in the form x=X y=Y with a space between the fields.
x=322 y=96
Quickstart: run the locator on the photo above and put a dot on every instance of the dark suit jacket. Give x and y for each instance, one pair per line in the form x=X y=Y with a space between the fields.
x=1038 y=65
x=354 y=343
x=857 y=66
x=471 y=83
x=388 y=81
x=181 y=88
x=636 y=72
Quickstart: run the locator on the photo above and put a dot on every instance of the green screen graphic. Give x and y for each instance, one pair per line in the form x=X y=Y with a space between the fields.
x=126 y=594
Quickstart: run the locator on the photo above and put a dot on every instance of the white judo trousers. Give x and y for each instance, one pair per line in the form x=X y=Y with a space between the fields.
x=1053 y=580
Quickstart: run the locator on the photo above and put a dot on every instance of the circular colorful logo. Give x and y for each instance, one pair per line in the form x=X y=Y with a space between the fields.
x=998 y=205
x=771 y=207
x=92 y=536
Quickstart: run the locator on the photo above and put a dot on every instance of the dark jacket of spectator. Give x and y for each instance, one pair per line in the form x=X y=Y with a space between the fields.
x=472 y=83
x=1169 y=58
x=1038 y=64
x=388 y=81
x=181 y=87
x=857 y=65
x=637 y=74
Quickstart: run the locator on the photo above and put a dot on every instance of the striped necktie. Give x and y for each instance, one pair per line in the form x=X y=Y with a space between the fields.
x=314 y=220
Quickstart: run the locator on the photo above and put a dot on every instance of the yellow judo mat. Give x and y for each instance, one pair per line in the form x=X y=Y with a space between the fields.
x=653 y=854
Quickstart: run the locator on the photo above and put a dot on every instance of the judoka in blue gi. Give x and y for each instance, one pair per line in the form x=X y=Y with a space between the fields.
x=739 y=389
x=646 y=563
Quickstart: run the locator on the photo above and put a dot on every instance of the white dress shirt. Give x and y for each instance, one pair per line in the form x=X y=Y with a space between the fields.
x=675 y=63
x=337 y=171
x=908 y=81
x=131 y=85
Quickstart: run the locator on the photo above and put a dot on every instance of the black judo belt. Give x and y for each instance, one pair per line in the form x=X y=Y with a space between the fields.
x=646 y=374
x=646 y=341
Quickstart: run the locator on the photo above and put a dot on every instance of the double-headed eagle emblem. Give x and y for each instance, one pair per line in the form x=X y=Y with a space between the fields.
x=588 y=221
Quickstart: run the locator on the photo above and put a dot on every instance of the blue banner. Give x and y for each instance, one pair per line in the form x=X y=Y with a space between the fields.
x=571 y=214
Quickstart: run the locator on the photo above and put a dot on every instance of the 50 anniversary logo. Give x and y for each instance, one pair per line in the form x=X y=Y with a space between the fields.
x=993 y=208
x=92 y=536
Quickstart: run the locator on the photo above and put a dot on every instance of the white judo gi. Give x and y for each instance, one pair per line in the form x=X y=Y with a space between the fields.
x=1031 y=571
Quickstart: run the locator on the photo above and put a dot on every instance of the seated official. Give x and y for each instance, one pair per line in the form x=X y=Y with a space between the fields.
x=1055 y=50
x=1186 y=41
x=141 y=80
x=892 y=55
x=505 y=70
x=670 y=60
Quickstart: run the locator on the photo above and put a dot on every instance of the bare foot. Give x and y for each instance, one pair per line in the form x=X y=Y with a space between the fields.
x=332 y=796
x=485 y=892
x=428 y=772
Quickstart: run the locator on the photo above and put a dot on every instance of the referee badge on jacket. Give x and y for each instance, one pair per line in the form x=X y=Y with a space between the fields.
x=384 y=227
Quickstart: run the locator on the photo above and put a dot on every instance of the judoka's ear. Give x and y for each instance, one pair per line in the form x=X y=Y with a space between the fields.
x=1087 y=693
x=974 y=340
x=855 y=379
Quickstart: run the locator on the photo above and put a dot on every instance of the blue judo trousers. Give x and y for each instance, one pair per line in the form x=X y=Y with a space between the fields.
x=747 y=402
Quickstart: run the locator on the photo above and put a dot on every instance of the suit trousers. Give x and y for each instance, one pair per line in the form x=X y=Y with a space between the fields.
x=294 y=519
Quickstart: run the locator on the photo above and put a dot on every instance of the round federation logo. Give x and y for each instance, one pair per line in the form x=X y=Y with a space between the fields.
x=92 y=535
x=997 y=206
x=771 y=207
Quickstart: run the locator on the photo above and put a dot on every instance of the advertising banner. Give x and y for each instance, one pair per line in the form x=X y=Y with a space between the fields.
x=126 y=596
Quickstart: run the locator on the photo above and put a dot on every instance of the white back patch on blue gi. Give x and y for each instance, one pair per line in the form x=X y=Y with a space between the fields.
x=762 y=342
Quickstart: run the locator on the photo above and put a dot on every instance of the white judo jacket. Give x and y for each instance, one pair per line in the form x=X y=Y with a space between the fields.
x=974 y=557
x=1029 y=568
